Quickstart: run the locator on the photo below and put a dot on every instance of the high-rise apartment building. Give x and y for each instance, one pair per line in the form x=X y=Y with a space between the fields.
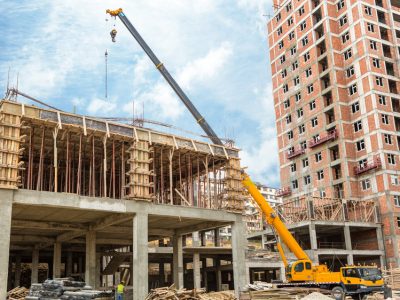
x=335 y=73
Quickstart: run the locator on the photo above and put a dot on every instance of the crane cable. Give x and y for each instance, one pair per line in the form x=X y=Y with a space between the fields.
x=106 y=73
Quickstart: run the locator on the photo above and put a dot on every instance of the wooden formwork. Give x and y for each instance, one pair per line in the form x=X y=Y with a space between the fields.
x=10 y=140
x=235 y=197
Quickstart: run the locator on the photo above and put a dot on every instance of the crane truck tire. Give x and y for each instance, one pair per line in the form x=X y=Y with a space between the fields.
x=338 y=293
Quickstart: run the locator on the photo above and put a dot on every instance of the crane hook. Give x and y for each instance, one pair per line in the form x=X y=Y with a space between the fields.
x=113 y=34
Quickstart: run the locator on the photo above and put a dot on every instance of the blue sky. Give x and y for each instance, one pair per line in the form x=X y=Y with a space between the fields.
x=216 y=49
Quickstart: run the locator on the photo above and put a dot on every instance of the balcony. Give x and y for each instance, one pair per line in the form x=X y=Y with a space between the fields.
x=284 y=192
x=294 y=153
x=332 y=135
x=374 y=164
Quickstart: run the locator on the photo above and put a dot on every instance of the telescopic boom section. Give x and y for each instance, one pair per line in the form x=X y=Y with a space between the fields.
x=171 y=81
x=274 y=220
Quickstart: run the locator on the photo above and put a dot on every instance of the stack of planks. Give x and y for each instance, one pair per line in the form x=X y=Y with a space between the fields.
x=18 y=293
x=392 y=278
x=284 y=293
x=171 y=293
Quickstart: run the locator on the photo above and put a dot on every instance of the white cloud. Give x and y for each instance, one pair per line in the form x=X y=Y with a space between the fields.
x=100 y=107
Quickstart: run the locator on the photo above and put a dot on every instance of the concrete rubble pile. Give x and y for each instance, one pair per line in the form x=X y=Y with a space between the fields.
x=66 y=289
x=171 y=293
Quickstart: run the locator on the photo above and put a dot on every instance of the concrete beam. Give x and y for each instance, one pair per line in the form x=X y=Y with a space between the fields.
x=6 y=200
x=109 y=221
x=140 y=256
x=22 y=224
x=32 y=239
x=199 y=227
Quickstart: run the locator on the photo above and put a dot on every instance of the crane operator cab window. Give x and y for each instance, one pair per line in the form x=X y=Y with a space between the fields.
x=299 y=267
x=351 y=273
x=308 y=266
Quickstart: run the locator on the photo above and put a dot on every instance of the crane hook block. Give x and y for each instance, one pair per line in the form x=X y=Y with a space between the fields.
x=114 y=13
x=113 y=34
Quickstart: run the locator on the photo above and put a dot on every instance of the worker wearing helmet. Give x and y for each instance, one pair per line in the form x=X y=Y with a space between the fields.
x=120 y=290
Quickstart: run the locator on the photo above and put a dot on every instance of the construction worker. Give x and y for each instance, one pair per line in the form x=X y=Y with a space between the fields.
x=120 y=290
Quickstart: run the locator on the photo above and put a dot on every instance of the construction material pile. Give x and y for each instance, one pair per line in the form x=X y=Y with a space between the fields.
x=392 y=278
x=171 y=293
x=17 y=293
x=65 y=289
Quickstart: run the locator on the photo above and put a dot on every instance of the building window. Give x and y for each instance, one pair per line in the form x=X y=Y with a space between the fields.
x=290 y=21
x=301 y=10
x=365 y=184
x=299 y=113
x=347 y=54
x=340 y=5
x=375 y=63
x=343 y=20
x=310 y=88
x=284 y=73
x=285 y=88
x=283 y=59
x=388 y=138
x=370 y=27
x=306 y=56
x=312 y=105
x=396 y=199
x=286 y=103
x=291 y=35
x=308 y=72
x=391 y=159
x=362 y=163
x=278 y=17
x=322 y=193
x=295 y=184
x=398 y=222
x=280 y=45
x=303 y=25
x=379 y=80
x=382 y=100
x=296 y=80
x=360 y=145
x=295 y=65
x=293 y=50
x=372 y=45
x=345 y=37
x=368 y=10
x=385 y=119
x=298 y=97
x=293 y=167
x=290 y=135
x=394 y=180
x=350 y=71
x=355 y=107
x=318 y=157
x=279 y=30
x=289 y=6
x=304 y=41
x=307 y=180
x=302 y=129
x=357 y=126
x=353 y=89
x=288 y=119
x=320 y=175
x=305 y=162
x=303 y=145
x=314 y=122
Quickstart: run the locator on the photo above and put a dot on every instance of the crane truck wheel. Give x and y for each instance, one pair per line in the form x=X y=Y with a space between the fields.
x=338 y=293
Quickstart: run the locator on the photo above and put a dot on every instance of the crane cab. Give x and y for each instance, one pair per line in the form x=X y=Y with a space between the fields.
x=299 y=271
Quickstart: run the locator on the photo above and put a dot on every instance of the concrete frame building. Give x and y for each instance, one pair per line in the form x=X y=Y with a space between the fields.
x=89 y=198
x=336 y=82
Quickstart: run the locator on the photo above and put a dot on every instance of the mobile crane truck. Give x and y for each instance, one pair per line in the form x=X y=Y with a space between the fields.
x=356 y=281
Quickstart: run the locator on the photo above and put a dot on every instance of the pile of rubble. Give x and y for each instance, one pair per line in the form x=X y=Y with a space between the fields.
x=171 y=293
x=66 y=289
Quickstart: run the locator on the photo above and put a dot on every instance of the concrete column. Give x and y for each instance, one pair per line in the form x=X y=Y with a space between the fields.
x=204 y=272
x=17 y=278
x=90 y=267
x=263 y=240
x=57 y=260
x=239 y=246
x=313 y=242
x=80 y=264
x=282 y=274
x=177 y=263
x=347 y=237
x=68 y=270
x=196 y=262
x=217 y=241
x=35 y=266
x=140 y=256
x=6 y=197
x=350 y=260
x=379 y=238
x=161 y=273
x=218 y=273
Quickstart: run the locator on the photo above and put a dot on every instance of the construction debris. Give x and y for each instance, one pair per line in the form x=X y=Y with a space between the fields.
x=392 y=278
x=171 y=293
x=17 y=293
x=66 y=289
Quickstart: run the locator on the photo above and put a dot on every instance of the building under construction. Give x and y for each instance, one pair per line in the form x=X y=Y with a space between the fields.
x=85 y=197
